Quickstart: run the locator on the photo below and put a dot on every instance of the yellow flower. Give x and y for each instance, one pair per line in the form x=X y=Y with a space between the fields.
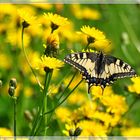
x=76 y=98
x=55 y=20
x=5 y=132
x=96 y=91
x=68 y=33
x=69 y=126
x=95 y=37
x=3 y=28
x=28 y=91
x=54 y=89
x=92 y=14
x=5 y=61
x=106 y=118
x=93 y=32
x=7 y=9
x=43 y=6
x=27 y=18
x=14 y=37
x=50 y=62
x=76 y=80
x=115 y=103
x=87 y=110
x=85 y=12
x=136 y=85
x=63 y=114
x=91 y=128
x=134 y=131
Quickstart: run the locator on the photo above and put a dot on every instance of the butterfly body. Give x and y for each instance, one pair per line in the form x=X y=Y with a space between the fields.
x=98 y=68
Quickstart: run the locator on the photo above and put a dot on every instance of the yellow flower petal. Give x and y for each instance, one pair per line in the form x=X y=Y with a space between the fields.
x=50 y=62
x=56 y=20
x=135 y=87
x=27 y=17
x=96 y=38
x=5 y=132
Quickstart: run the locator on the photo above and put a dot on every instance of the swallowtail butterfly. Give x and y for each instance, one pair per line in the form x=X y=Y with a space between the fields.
x=99 y=69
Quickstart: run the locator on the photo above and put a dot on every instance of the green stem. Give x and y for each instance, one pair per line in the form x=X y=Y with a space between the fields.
x=126 y=54
x=47 y=83
x=63 y=99
x=87 y=46
x=42 y=105
x=38 y=126
x=67 y=86
x=63 y=93
x=25 y=54
x=130 y=107
x=15 y=114
x=129 y=29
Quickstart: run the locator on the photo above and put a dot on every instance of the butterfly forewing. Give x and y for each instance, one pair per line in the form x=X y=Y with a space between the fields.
x=84 y=62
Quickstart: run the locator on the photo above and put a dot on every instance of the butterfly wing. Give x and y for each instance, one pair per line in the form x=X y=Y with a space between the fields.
x=84 y=62
x=99 y=69
x=116 y=68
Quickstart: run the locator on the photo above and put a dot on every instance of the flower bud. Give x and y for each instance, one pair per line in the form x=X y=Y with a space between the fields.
x=28 y=115
x=11 y=90
x=61 y=88
x=34 y=112
x=125 y=38
x=77 y=131
x=71 y=132
x=0 y=83
x=13 y=83
x=52 y=45
x=53 y=41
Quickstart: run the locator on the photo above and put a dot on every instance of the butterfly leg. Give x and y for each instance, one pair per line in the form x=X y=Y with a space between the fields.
x=102 y=87
x=89 y=89
x=89 y=86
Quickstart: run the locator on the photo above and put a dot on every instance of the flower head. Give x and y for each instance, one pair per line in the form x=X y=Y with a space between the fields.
x=133 y=131
x=55 y=20
x=85 y=12
x=5 y=132
x=115 y=104
x=27 y=18
x=91 y=128
x=136 y=85
x=63 y=113
x=72 y=129
x=50 y=63
x=95 y=37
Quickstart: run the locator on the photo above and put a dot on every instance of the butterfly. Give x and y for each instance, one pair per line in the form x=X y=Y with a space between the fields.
x=99 y=69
